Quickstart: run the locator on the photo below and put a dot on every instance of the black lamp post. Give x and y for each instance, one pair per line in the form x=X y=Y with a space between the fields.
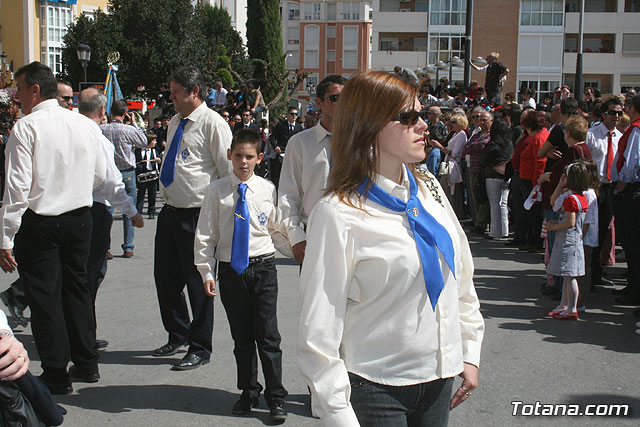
x=84 y=55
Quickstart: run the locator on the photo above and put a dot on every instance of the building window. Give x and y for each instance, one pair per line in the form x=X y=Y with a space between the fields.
x=308 y=11
x=54 y=20
x=388 y=43
x=448 y=12
x=631 y=43
x=332 y=10
x=591 y=6
x=632 y=6
x=311 y=46
x=294 y=14
x=293 y=59
x=331 y=55
x=389 y=5
x=422 y=6
x=541 y=13
x=350 y=48
x=351 y=11
x=293 y=35
x=591 y=43
x=443 y=47
x=316 y=11
x=331 y=32
x=542 y=87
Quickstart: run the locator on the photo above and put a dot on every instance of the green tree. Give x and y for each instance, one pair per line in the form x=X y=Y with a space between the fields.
x=154 y=38
x=264 y=43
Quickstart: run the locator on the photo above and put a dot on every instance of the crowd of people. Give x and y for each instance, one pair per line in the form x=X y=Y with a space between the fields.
x=373 y=187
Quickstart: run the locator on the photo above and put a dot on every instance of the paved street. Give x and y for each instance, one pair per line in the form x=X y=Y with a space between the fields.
x=525 y=356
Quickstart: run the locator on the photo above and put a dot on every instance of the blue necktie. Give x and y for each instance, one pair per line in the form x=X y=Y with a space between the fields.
x=240 y=245
x=169 y=167
x=427 y=232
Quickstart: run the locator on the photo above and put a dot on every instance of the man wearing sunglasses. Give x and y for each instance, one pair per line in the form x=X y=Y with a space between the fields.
x=602 y=141
x=281 y=134
x=65 y=94
x=306 y=167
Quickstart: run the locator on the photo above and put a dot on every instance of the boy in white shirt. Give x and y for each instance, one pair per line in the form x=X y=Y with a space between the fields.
x=237 y=219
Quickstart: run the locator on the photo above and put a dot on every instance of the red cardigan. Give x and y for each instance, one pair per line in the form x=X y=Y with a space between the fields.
x=531 y=167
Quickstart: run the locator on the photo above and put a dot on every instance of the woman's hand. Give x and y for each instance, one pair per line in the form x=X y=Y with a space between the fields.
x=469 y=383
x=14 y=362
x=545 y=177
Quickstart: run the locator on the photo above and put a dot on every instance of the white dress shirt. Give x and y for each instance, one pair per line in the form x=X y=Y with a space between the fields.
x=201 y=158
x=52 y=165
x=304 y=178
x=214 y=235
x=365 y=308
x=112 y=191
x=598 y=143
x=630 y=171
x=220 y=97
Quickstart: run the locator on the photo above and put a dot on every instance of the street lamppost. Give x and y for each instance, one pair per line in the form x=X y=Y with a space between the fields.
x=440 y=66
x=454 y=62
x=84 y=55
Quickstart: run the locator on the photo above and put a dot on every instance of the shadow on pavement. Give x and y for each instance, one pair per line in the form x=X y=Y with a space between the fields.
x=163 y=397
x=137 y=357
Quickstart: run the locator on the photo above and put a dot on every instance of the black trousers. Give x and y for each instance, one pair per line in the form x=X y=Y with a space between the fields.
x=250 y=301
x=626 y=206
x=173 y=268
x=52 y=255
x=100 y=242
x=151 y=188
x=605 y=212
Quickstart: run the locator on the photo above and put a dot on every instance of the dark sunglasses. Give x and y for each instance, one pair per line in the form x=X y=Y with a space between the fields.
x=407 y=118
x=293 y=114
x=67 y=98
x=226 y=116
x=614 y=113
x=475 y=116
x=333 y=98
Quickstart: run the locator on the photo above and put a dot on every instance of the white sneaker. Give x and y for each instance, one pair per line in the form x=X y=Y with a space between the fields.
x=638 y=331
x=638 y=325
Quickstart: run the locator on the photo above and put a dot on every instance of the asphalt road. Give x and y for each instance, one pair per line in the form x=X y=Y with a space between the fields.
x=525 y=357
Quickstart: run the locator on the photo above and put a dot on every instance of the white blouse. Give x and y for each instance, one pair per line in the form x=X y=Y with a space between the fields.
x=365 y=308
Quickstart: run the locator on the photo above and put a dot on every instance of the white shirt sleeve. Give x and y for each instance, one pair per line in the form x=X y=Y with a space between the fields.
x=324 y=301
x=290 y=190
x=4 y=324
x=207 y=235
x=19 y=170
x=218 y=145
x=113 y=188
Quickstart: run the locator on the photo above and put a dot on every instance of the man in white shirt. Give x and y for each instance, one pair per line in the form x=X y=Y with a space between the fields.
x=306 y=167
x=47 y=198
x=602 y=141
x=220 y=100
x=196 y=155
x=92 y=104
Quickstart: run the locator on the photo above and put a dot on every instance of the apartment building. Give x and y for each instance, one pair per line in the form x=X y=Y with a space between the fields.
x=324 y=38
x=536 y=39
x=33 y=30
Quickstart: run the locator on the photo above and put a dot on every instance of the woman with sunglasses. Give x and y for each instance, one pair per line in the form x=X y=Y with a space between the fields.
x=389 y=311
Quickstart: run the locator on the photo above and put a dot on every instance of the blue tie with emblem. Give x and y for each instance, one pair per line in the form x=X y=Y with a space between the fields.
x=428 y=233
x=169 y=166
x=240 y=245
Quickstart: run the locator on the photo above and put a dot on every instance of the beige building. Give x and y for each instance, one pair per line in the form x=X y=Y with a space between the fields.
x=32 y=30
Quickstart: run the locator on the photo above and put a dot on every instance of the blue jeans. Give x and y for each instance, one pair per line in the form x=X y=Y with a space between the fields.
x=418 y=405
x=551 y=237
x=129 y=180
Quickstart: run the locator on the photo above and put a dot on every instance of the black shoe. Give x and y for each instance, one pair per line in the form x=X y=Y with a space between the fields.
x=276 y=410
x=550 y=291
x=54 y=387
x=168 y=349
x=244 y=405
x=624 y=291
x=628 y=300
x=515 y=243
x=17 y=314
x=190 y=361
x=79 y=375
x=535 y=249
x=152 y=216
x=101 y=344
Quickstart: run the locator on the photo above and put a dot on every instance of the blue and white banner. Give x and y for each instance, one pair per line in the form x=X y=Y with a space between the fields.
x=63 y=1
